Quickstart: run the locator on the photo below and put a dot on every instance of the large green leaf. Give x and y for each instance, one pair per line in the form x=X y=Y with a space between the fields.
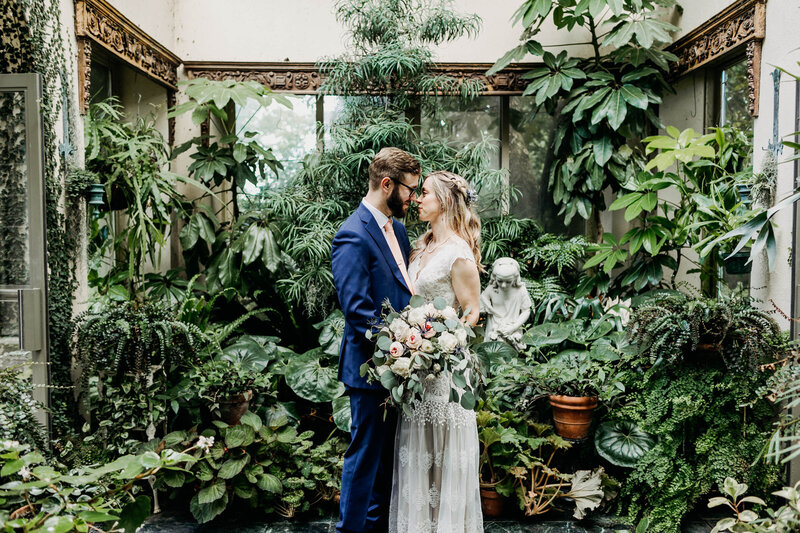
x=494 y=352
x=206 y=512
x=341 y=412
x=134 y=514
x=312 y=381
x=622 y=443
x=250 y=354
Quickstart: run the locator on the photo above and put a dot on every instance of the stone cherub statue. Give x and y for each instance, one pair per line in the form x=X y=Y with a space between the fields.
x=506 y=303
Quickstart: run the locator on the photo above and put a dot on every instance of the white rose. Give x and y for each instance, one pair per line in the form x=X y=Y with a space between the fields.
x=414 y=339
x=431 y=310
x=400 y=329
x=437 y=367
x=461 y=335
x=447 y=342
x=427 y=346
x=402 y=367
x=450 y=313
x=382 y=369
x=417 y=316
x=396 y=349
x=430 y=377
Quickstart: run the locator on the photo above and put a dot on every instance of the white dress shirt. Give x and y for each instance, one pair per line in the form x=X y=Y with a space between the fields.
x=379 y=216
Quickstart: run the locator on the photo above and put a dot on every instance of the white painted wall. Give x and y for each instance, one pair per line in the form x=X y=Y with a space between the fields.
x=155 y=17
x=780 y=49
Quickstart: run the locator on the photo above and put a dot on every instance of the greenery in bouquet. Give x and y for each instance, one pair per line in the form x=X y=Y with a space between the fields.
x=422 y=342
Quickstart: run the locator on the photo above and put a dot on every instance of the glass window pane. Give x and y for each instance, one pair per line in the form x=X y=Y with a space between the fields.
x=291 y=133
x=530 y=153
x=460 y=122
x=14 y=223
x=734 y=97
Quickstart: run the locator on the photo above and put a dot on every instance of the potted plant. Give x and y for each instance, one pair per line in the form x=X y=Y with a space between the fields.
x=229 y=387
x=581 y=362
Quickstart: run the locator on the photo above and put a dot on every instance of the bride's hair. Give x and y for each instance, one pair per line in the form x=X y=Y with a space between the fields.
x=458 y=210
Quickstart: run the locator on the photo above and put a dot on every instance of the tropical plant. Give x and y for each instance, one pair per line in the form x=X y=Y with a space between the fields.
x=264 y=462
x=670 y=326
x=704 y=200
x=382 y=83
x=127 y=354
x=36 y=496
x=690 y=420
x=517 y=460
x=607 y=97
x=782 y=520
x=582 y=357
x=18 y=409
x=131 y=160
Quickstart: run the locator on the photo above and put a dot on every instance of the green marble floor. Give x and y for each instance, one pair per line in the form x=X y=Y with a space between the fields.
x=172 y=523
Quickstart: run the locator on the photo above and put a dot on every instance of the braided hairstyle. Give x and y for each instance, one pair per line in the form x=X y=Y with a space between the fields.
x=458 y=209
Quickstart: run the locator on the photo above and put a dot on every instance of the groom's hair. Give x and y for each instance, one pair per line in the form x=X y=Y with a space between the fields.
x=391 y=162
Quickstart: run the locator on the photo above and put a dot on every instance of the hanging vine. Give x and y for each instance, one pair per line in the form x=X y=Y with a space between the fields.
x=32 y=42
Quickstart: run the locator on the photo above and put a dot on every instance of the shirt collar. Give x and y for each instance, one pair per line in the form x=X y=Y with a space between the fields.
x=379 y=216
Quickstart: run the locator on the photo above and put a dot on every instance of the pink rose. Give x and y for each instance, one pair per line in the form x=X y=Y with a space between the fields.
x=414 y=339
x=429 y=331
x=396 y=350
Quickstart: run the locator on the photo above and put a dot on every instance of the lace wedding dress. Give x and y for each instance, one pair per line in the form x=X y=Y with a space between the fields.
x=435 y=483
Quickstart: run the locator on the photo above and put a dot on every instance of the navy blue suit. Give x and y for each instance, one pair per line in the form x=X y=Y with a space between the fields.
x=365 y=274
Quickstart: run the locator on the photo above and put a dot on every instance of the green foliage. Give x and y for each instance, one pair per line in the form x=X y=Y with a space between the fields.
x=36 y=496
x=622 y=443
x=383 y=83
x=783 y=388
x=710 y=172
x=705 y=410
x=607 y=99
x=17 y=409
x=127 y=354
x=131 y=161
x=265 y=463
x=583 y=357
x=782 y=520
x=670 y=326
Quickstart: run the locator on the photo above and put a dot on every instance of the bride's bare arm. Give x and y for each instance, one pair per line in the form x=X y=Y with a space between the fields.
x=467 y=287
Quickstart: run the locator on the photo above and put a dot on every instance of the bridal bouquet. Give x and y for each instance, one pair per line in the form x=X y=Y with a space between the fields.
x=419 y=343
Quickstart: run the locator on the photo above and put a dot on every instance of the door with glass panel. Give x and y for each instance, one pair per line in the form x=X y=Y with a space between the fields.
x=23 y=309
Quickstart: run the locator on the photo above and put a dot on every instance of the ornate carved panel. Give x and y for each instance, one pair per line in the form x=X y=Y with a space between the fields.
x=739 y=27
x=99 y=22
x=303 y=78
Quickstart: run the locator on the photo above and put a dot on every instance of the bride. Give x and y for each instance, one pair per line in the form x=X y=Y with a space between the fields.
x=435 y=481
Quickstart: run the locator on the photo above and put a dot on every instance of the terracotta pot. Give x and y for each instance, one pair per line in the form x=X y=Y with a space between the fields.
x=573 y=415
x=491 y=503
x=233 y=407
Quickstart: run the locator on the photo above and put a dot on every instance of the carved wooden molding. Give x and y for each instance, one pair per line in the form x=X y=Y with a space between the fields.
x=739 y=27
x=99 y=22
x=303 y=78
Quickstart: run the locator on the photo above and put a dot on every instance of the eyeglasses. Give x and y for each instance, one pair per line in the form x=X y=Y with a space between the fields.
x=414 y=190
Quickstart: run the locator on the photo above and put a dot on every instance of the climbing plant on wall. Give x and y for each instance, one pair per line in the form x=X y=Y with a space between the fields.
x=607 y=100
x=32 y=42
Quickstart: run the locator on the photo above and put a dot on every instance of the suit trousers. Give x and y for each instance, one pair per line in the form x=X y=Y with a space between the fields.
x=368 y=463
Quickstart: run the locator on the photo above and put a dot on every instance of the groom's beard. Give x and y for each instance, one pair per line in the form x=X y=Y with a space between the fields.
x=397 y=206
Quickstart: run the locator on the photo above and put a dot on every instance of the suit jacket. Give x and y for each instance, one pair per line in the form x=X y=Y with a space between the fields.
x=365 y=274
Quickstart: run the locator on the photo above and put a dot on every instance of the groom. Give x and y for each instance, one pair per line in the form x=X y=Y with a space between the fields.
x=369 y=258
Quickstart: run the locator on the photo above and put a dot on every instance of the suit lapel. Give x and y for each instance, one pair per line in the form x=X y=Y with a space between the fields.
x=377 y=235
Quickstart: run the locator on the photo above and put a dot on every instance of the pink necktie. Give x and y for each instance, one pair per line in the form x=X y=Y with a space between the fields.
x=394 y=246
